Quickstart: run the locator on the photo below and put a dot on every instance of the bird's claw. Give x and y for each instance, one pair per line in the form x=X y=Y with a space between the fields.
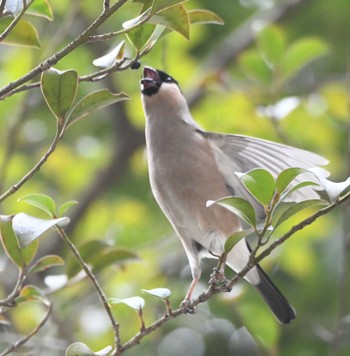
x=187 y=306
x=217 y=278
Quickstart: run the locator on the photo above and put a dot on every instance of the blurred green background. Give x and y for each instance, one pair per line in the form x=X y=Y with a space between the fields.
x=101 y=163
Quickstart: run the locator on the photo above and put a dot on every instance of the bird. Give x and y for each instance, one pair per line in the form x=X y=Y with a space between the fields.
x=189 y=166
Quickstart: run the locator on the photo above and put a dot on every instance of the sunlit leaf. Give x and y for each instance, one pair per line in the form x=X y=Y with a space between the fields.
x=162 y=293
x=14 y=6
x=41 y=201
x=298 y=186
x=204 y=17
x=261 y=185
x=301 y=52
x=286 y=177
x=137 y=21
x=159 y=5
x=19 y=256
x=109 y=59
x=46 y=262
x=79 y=349
x=66 y=206
x=59 y=89
x=238 y=206
x=254 y=66
x=93 y=102
x=139 y=36
x=136 y=303
x=233 y=239
x=23 y=34
x=272 y=43
x=56 y=282
x=30 y=293
x=174 y=18
x=28 y=228
x=295 y=208
x=41 y=8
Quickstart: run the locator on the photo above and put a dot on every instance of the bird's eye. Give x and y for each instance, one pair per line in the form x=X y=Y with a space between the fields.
x=168 y=79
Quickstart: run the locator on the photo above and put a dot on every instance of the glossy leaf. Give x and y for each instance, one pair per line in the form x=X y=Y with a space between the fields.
x=159 y=5
x=174 y=18
x=46 y=262
x=109 y=59
x=30 y=293
x=23 y=34
x=300 y=53
x=137 y=21
x=41 y=8
x=136 y=303
x=14 y=6
x=56 y=282
x=41 y=201
x=59 y=89
x=296 y=187
x=233 y=239
x=261 y=185
x=21 y=257
x=28 y=228
x=296 y=208
x=272 y=43
x=66 y=206
x=93 y=102
x=79 y=349
x=238 y=206
x=286 y=177
x=162 y=293
x=199 y=16
x=139 y=36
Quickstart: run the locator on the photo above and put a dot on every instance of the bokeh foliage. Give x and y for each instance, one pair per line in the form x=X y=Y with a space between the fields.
x=288 y=83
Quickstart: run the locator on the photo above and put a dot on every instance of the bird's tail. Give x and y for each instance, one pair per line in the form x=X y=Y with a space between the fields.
x=237 y=260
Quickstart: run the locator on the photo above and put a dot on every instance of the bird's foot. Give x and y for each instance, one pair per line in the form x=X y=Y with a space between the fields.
x=217 y=279
x=187 y=307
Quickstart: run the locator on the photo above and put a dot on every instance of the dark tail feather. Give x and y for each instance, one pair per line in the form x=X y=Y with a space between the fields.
x=274 y=299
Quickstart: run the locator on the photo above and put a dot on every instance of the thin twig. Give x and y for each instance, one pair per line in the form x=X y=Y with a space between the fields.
x=94 y=281
x=15 y=21
x=35 y=169
x=49 y=62
x=21 y=342
x=10 y=299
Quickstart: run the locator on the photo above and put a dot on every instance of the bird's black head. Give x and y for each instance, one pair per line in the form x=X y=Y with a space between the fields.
x=153 y=79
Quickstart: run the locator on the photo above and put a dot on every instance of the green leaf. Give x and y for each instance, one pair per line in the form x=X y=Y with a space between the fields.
x=66 y=206
x=297 y=187
x=272 y=42
x=93 y=102
x=41 y=8
x=21 y=257
x=23 y=34
x=98 y=255
x=286 y=177
x=79 y=349
x=46 y=262
x=234 y=238
x=159 y=5
x=30 y=293
x=139 y=36
x=28 y=228
x=162 y=293
x=59 y=90
x=300 y=53
x=199 y=16
x=41 y=201
x=175 y=18
x=137 y=21
x=110 y=256
x=254 y=67
x=136 y=303
x=261 y=185
x=294 y=209
x=238 y=206
x=109 y=59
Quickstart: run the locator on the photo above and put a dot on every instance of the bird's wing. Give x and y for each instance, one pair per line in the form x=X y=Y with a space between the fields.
x=238 y=153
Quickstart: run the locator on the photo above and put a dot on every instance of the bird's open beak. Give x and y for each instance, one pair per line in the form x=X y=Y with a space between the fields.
x=150 y=80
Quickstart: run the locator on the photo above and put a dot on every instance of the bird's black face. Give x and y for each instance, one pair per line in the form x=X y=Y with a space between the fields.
x=153 y=79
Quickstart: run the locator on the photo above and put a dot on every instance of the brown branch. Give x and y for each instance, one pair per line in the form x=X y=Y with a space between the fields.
x=21 y=342
x=49 y=62
x=225 y=287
